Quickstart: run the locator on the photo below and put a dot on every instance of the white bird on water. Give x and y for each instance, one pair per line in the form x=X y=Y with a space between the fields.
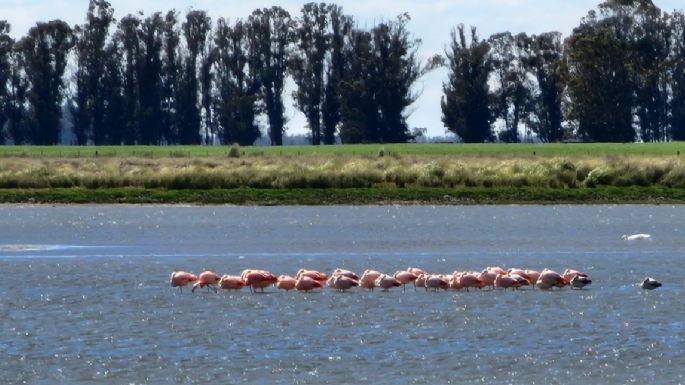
x=650 y=284
x=633 y=238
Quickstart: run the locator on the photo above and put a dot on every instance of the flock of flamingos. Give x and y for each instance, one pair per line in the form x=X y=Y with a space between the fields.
x=343 y=280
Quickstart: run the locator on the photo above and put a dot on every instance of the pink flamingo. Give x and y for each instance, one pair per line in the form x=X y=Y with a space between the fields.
x=313 y=274
x=436 y=282
x=570 y=273
x=182 y=278
x=533 y=276
x=231 y=282
x=286 y=282
x=368 y=279
x=489 y=275
x=416 y=271
x=549 y=279
x=421 y=281
x=471 y=280
x=258 y=279
x=345 y=273
x=505 y=282
x=342 y=283
x=386 y=282
x=306 y=283
x=207 y=278
x=405 y=277
x=454 y=281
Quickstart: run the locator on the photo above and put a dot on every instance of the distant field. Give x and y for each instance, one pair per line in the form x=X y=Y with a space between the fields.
x=469 y=150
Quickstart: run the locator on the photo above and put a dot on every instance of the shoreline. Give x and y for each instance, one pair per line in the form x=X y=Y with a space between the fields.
x=348 y=196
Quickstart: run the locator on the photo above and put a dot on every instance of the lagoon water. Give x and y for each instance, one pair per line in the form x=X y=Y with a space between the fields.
x=84 y=296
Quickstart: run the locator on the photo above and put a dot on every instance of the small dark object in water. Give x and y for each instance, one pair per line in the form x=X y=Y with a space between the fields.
x=650 y=284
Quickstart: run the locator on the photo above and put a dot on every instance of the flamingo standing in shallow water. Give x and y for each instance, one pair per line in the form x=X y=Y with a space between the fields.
x=505 y=282
x=386 y=282
x=405 y=277
x=181 y=278
x=345 y=273
x=342 y=283
x=230 y=282
x=368 y=279
x=305 y=283
x=286 y=282
x=208 y=279
x=258 y=279
x=549 y=279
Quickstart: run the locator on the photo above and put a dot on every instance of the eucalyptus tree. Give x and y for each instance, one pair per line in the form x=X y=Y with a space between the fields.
x=196 y=31
x=127 y=34
x=6 y=44
x=270 y=32
x=90 y=39
x=150 y=92
x=237 y=83
x=677 y=102
x=544 y=59
x=465 y=103
x=513 y=93
x=45 y=51
x=317 y=64
x=171 y=67
x=114 y=115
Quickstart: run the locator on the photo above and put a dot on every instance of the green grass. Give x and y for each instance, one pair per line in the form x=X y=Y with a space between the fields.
x=487 y=150
x=355 y=196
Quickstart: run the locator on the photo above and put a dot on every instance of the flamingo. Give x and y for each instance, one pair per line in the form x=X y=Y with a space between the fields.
x=286 y=282
x=258 y=279
x=533 y=275
x=549 y=279
x=406 y=277
x=523 y=281
x=505 y=282
x=182 y=278
x=570 y=273
x=421 y=281
x=454 y=281
x=313 y=274
x=471 y=279
x=634 y=238
x=386 y=282
x=342 y=283
x=436 y=282
x=345 y=273
x=207 y=278
x=306 y=283
x=650 y=284
x=489 y=275
x=230 y=282
x=368 y=279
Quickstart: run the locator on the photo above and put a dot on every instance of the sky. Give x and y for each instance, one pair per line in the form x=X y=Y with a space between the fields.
x=431 y=21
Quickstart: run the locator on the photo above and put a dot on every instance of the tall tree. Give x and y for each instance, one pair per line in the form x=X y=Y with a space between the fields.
x=677 y=102
x=544 y=59
x=171 y=64
x=340 y=27
x=6 y=44
x=271 y=33
x=513 y=90
x=308 y=62
x=196 y=30
x=45 y=50
x=465 y=103
x=127 y=33
x=237 y=83
x=150 y=91
x=91 y=37
x=114 y=123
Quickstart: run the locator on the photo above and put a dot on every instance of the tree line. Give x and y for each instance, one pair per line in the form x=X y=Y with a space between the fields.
x=167 y=79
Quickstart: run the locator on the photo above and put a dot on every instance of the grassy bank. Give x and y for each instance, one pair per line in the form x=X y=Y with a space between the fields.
x=388 y=176
x=353 y=196
x=442 y=149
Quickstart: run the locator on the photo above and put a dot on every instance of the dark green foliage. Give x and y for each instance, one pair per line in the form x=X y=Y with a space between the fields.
x=375 y=90
x=270 y=33
x=677 y=102
x=88 y=110
x=465 y=104
x=237 y=83
x=44 y=58
x=6 y=44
